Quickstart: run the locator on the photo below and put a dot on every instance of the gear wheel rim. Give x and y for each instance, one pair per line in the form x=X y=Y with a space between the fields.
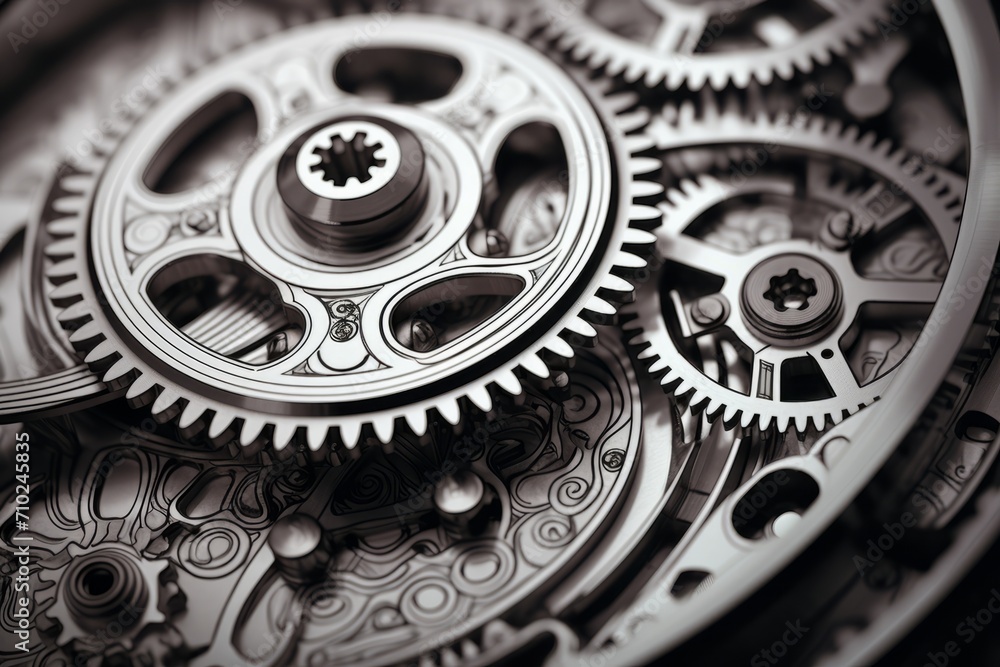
x=586 y=42
x=78 y=310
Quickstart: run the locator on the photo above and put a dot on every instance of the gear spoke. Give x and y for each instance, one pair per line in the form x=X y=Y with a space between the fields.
x=837 y=372
x=702 y=255
x=898 y=291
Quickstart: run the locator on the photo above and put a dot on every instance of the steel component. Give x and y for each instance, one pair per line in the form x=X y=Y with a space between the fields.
x=749 y=258
x=288 y=371
x=490 y=479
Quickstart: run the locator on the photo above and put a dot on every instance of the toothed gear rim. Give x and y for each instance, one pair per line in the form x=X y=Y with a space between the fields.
x=107 y=307
x=939 y=200
x=671 y=60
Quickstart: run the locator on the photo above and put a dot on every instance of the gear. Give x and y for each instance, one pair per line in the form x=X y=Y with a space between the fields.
x=718 y=43
x=108 y=600
x=342 y=309
x=763 y=317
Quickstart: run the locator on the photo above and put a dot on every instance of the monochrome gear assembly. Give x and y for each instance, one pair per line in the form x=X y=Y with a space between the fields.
x=444 y=332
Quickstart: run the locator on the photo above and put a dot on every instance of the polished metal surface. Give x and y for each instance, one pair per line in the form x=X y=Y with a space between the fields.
x=444 y=332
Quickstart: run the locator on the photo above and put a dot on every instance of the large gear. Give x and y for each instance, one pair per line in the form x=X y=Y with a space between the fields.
x=786 y=299
x=302 y=369
x=672 y=43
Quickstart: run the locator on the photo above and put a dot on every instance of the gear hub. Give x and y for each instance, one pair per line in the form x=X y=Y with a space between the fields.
x=347 y=184
x=791 y=300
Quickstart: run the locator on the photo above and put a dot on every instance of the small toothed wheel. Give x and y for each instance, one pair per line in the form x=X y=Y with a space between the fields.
x=106 y=597
x=787 y=303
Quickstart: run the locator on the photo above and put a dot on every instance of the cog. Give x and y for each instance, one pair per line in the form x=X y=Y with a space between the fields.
x=346 y=311
x=784 y=290
x=673 y=43
x=108 y=600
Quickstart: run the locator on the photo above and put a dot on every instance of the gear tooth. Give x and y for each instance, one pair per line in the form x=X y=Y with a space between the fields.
x=62 y=227
x=671 y=378
x=100 y=353
x=165 y=401
x=283 y=434
x=61 y=271
x=534 y=365
x=628 y=260
x=76 y=184
x=747 y=420
x=140 y=386
x=480 y=397
x=613 y=283
x=645 y=214
x=450 y=411
x=220 y=423
x=69 y=205
x=638 y=143
x=581 y=327
x=416 y=419
x=252 y=429
x=469 y=649
x=600 y=307
x=740 y=79
x=633 y=121
x=507 y=381
x=781 y=422
x=350 y=432
x=645 y=165
x=730 y=416
x=619 y=102
x=190 y=414
x=868 y=140
x=61 y=249
x=71 y=289
x=652 y=79
x=884 y=148
x=316 y=435
x=801 y=423
x=80 y=310
x=557 y=345
x=384 y=428
x=86 y=332
x=643 y=189
x=634 y=236
x=118 y=370
x=659 y=364
x=683 y=388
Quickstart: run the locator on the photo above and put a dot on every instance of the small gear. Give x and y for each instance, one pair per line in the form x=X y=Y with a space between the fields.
x=108 y=600
x=336 y=318
x=677 y=43
x=774 y=299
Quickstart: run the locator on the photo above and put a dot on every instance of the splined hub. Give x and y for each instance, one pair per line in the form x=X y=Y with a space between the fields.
x=349 y=184
x=791 y=300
